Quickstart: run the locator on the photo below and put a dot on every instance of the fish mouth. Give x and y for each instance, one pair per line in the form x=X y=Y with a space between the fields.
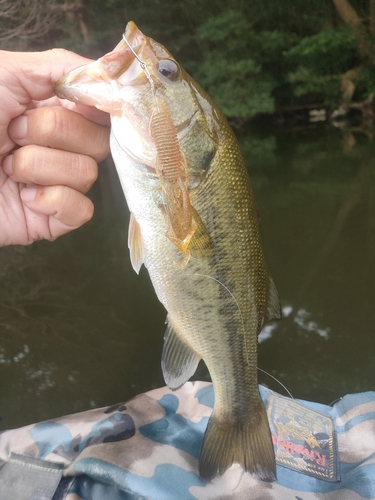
x=107 y=84
x=95 y=84
x=115 y=63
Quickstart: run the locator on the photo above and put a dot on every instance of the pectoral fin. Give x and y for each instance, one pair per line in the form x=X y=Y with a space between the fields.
x=273 y=303
x=201 y=243
x=178 y=361
x=135 y=244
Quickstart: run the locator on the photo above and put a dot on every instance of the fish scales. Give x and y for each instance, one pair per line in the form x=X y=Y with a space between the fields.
x=219 y=299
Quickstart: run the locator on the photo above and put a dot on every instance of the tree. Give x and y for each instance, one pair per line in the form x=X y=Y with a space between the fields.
x=24 y=21
x=251 y=57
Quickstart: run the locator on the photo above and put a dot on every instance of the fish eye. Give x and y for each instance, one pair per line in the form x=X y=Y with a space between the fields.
x=168 y=69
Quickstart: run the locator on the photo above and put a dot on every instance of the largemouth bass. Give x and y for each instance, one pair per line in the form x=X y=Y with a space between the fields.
x=194 y=225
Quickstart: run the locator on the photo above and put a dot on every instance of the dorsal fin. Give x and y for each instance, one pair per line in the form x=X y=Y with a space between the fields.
x=135 y=244
x=178 y=361
x=273 y=303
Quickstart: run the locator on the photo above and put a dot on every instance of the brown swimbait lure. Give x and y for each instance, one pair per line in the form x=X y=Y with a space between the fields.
x=172 y=170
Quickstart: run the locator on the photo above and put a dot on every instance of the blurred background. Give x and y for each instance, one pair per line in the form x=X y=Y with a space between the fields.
x=79 y=329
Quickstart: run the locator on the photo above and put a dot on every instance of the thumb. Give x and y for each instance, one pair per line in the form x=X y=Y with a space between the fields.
x=34 y=74
x=27 y=77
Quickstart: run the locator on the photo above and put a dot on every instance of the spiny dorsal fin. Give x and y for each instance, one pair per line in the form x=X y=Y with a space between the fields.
x=178 y=361
x=135 y=244
x=201 y=243
x=273 y=303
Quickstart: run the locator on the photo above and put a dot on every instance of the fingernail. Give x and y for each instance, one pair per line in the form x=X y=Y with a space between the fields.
x=8 y=165
x=28 y=194
x=18 y=128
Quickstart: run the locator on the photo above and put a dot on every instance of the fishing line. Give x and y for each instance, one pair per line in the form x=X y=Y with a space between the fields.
x=142 y=64
x=239 y=310
x=243 y=327
x=278 y=381
x=335 y=401
x=149 y=78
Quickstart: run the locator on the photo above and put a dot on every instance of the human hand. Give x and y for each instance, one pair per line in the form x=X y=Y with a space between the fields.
x=49 y=149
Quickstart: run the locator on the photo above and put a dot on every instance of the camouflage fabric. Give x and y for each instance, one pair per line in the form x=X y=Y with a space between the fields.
x=148 y=448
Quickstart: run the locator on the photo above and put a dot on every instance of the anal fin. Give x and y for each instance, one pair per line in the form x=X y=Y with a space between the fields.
x=178 y=361
x=273 y=303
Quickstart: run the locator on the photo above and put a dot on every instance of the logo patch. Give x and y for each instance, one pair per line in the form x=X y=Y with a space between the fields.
x=304 y=439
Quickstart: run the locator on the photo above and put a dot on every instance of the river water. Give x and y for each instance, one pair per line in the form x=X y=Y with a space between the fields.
x=79 y=329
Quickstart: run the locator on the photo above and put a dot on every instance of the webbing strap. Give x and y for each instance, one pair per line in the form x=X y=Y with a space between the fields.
x=26 y=478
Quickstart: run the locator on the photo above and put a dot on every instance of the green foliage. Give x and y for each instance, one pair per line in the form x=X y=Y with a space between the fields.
x=329 y=52
x=318 y=63
x=238 y=66
x=251 y=57
x=318 y=88
x=364 y=82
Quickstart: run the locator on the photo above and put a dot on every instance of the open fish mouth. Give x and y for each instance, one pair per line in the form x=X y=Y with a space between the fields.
x=97 y=83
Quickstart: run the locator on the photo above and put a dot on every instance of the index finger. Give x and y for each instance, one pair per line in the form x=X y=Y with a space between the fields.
x=89 y=112
x=60 y=128
x=34 y=74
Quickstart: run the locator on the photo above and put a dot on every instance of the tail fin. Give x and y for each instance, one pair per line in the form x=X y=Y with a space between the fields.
x=247 y=442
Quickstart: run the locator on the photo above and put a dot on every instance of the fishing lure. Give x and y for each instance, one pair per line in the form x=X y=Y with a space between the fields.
x=172 y=171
